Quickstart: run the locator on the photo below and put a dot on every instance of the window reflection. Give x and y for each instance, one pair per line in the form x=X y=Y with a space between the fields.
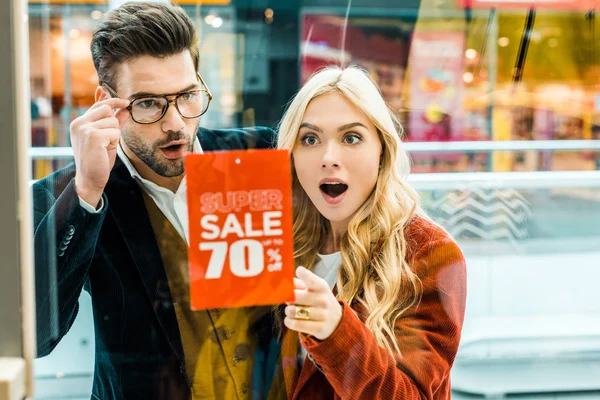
x=448 y=74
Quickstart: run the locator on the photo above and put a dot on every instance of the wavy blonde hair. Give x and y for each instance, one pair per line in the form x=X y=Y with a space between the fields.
x=374 y=269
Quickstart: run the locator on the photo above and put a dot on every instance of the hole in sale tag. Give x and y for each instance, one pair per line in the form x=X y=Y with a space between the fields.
x=240 y=228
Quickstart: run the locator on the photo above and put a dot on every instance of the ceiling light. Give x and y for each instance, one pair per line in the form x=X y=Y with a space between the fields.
x=96 y=14
x=471 y=54
x=503 y=41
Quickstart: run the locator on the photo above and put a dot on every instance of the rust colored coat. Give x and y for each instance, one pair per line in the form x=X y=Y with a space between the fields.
x=351 y=365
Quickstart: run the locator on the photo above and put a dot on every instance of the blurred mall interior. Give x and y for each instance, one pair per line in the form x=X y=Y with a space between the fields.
x=500 y=108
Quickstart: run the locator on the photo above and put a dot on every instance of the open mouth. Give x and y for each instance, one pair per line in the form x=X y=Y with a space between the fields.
x=174 y=147
x=333 y=189
x=174 y=151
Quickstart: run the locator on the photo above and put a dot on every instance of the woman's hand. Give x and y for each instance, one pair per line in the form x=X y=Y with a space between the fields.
x=316 y=311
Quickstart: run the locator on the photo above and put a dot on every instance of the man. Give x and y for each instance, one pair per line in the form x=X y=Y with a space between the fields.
x=115 y=222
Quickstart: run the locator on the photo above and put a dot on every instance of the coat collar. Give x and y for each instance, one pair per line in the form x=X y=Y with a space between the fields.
x=295 y=380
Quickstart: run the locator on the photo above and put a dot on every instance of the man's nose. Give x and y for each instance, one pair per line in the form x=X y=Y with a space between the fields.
x=172 y=121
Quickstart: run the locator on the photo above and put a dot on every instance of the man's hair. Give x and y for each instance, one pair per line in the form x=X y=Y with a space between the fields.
x=141 y=29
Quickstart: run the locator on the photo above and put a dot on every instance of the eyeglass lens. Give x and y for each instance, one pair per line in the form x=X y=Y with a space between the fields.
x=150 y=109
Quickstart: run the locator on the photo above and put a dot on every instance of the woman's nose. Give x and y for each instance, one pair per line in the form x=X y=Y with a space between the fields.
x=331 y=157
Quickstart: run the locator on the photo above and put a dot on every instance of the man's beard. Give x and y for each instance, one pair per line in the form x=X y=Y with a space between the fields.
x=148 y=152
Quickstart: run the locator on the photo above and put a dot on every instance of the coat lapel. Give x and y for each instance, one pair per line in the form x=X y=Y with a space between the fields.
x=307 y=371
x=126 y=205
x=309 y=368
x=289 y=360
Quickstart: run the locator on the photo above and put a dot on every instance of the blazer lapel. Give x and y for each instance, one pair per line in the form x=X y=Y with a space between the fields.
x=126 y=205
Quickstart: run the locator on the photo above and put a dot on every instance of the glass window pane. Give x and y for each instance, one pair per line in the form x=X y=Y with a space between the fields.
x=498 y=109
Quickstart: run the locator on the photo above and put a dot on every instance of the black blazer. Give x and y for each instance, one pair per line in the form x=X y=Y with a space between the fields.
x=114 y=256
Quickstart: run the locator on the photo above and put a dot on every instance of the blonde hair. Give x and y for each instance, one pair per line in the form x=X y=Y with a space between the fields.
x=374 y=271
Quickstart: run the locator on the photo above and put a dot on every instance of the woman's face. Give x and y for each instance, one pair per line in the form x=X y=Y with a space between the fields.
x=336 y=156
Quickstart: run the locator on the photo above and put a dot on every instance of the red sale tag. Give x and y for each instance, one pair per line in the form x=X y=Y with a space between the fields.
x=240 y=220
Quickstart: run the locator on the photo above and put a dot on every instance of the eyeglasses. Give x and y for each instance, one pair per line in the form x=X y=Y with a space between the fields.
x=150 y=109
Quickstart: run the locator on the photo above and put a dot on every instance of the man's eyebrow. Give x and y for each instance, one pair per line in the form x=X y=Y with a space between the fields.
x=149 y=94
x=311 y=126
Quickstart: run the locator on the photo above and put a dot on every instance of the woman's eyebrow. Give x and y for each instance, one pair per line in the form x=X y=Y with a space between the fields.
x=350 y=126
x=311 y=126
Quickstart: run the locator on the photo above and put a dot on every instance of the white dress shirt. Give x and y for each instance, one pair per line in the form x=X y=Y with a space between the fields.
x=172 y=205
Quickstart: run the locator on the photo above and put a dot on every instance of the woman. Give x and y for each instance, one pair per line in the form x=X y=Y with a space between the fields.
x=380 y=289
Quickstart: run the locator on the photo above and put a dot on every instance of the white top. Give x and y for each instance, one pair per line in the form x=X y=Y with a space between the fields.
x=172 y=205
x=327 y=268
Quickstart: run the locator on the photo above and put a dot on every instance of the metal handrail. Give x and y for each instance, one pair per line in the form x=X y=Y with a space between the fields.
x=51 y=153
x=502 y=145
x=506 y=180
x=414 y=147
x=503 y=180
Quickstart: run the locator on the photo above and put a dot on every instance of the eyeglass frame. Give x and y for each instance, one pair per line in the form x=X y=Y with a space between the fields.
x=114 y=93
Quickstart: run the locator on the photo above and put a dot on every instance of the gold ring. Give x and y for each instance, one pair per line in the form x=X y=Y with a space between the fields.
x=302 y=313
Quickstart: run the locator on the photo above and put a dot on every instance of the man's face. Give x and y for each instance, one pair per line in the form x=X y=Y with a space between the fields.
x=161 y=145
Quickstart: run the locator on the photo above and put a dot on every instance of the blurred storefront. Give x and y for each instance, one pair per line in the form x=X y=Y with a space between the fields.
x=503 y=98
x=449 y=71
x=63 y=78
x=457 y=83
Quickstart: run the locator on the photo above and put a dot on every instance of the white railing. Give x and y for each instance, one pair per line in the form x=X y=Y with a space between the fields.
x=499 y=145
x=506 y=180
x=414 y=147
x=503 y=180
x=51 y=153
x=465 y=180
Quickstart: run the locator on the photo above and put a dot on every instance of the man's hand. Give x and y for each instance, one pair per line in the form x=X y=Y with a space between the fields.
x=95 y=136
